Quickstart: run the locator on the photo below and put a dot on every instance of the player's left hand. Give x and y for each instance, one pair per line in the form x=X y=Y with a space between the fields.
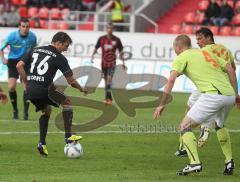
x=158 y=111
x=3 y=97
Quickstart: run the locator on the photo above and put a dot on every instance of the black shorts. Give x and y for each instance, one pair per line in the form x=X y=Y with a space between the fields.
x=42 y=103
x=108 y=71
x=51 y=97
x=12 y=70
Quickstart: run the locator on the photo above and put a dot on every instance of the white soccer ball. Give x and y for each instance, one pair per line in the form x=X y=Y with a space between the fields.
x=73 y=150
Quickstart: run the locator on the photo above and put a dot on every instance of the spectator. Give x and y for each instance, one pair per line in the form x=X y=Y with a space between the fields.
x=226 y=14
x=34 y=3
x=13 y=17
x=89 y=5
x=212 y=11
x=73 y=4
x=2 y=16
x=118 y=8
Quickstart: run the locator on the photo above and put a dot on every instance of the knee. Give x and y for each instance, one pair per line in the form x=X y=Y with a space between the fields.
x=47 y=112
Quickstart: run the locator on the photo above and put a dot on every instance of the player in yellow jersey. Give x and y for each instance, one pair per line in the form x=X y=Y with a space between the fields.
x=205 y=40
x=218 y=93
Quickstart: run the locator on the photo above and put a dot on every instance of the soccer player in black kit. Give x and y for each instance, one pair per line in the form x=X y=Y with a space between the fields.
x=109 y=44
x=41 y=65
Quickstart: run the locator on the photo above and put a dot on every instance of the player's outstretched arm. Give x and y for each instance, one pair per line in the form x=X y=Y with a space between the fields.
x=167 y=90
x=4 y=61
x=71 y=81
x=3 y=96
x=22 y=73
x=94 y=52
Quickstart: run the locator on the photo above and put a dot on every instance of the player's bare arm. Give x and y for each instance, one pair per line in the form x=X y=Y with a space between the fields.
x=4 y=61
x=73 y=82
x=167 y=90
x=94 y=52
x=3 y=96
x=233 y=80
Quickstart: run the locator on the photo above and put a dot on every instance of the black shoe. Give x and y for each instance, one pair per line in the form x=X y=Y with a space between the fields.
x=229 y=167
x=15 y=115
x=180 y=153
x=25 y=116
x=190 y=168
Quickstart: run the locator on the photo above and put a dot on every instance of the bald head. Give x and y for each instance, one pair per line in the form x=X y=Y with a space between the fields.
x=181 y=43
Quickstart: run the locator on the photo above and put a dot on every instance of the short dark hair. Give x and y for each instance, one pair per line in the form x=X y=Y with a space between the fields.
x=206 y=32
x=61 y=37
x=24 y=20
x=110 y=24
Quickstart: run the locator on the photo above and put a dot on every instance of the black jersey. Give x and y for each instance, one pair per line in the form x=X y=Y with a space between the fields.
x=41 y=65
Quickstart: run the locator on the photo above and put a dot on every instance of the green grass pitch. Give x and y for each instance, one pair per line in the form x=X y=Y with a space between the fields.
x=127 y=149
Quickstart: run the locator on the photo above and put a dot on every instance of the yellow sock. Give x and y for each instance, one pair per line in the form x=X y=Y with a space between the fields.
x=181 y=146
x=190 y=144
x=225 y=143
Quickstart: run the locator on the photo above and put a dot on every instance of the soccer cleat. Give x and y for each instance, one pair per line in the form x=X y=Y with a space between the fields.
x=229 y=167
x=15 y=115
x=42 y=149
x=203 y=137
x=190 y=168
x=74 y=138
x=180 y=153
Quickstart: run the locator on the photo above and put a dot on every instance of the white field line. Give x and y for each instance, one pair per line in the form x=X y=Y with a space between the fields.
x=121 y=130
x=90 y=132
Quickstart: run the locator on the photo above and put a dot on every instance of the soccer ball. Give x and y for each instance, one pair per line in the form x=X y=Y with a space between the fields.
x=73 y=150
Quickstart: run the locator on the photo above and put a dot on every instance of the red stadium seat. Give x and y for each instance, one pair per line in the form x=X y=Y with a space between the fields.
x=63 y=26
x=188 y=29
x=53 y=25
x=33 y=24
x=236 y=19
x=55 y=13
x=189 y=18
x=200 y=18
x=237 y=5
x=226 y=31
x=230 y=3
x=202 y=5
x=43 y=24
x=32 y=12
x=64 y=12
x=43 y=13
x=16 y=2
x=23 y=11
x=176 y=29
x=219 y=2
x=214 y=29
x=236 y=31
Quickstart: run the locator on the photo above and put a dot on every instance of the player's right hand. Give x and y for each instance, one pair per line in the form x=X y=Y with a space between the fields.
x=3 y=97
x=158 y=111
x=5 y=61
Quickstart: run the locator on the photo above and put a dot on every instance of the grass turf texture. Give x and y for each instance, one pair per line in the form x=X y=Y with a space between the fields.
x=126 y=152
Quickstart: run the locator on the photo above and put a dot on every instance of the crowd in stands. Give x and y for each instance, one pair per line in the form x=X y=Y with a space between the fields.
x=11 y=11
x=218 y=15
x=56 y=14
x=221 y=16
